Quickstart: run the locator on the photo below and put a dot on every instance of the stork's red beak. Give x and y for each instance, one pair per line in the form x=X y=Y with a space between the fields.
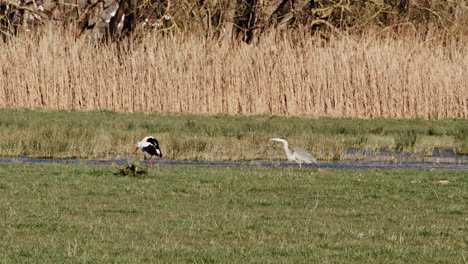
x=135 y=151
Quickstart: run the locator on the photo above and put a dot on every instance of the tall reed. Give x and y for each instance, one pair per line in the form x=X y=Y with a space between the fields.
x=348 y=76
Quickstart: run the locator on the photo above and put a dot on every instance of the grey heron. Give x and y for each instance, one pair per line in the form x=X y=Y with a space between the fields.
x=149 y=145
x=296 y=154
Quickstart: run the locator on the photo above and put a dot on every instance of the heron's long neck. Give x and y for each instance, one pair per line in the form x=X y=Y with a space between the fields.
x=288 y=151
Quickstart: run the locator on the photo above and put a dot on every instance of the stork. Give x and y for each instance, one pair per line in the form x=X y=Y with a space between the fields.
x=149 y=145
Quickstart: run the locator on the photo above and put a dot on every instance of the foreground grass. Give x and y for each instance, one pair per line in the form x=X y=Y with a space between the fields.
x=85 y=214
x=105 y=134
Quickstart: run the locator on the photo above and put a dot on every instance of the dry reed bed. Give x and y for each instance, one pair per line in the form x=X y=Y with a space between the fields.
x=349 y=76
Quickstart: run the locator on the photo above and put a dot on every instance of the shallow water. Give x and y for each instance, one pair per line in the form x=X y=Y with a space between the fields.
x=458 y=164
x=437 y=152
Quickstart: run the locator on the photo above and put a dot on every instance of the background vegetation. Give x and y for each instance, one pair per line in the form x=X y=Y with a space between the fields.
x=366 y=59
x=85 y=214
x=244 y=20
x=110 y=135
x=350 y=76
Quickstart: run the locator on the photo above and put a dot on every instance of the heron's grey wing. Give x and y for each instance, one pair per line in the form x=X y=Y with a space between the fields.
x=303 y=155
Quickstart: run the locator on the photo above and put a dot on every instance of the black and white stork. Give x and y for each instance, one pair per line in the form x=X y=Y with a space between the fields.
x=149 y=145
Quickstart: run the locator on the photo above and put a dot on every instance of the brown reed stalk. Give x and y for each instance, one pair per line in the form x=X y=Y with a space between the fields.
x=365 y=76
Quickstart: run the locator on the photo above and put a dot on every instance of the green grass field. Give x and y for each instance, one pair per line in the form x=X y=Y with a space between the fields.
x=106 y=135
x=179 y=214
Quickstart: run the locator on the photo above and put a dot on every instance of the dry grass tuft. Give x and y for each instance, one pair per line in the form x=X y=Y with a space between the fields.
x=349 y=76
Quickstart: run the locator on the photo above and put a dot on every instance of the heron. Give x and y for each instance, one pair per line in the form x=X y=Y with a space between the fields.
x=149 y=145
x=296 y=154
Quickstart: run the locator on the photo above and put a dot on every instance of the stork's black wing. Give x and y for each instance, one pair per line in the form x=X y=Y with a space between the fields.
x=152 y=150
x=153 y=141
